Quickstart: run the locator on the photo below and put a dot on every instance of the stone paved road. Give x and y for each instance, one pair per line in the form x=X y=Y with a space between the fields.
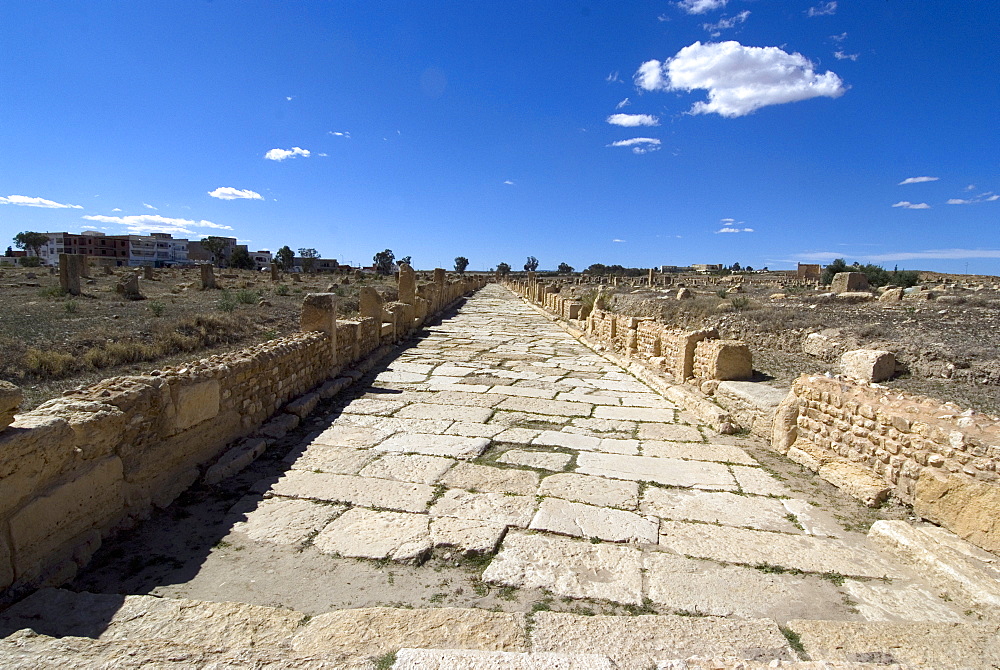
x=500 y=435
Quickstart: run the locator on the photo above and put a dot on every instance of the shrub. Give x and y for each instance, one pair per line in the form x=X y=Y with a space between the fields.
x=227 y=303
x=282 y=290
x=70 y=306
x=48 y=363
x=247 y=297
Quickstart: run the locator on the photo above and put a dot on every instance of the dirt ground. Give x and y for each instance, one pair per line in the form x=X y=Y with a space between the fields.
x=51 y=342
x=945 y=346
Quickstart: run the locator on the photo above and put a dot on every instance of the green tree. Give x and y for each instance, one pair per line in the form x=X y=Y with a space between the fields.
x=240 y=259
x=215 y=246
x=309 y=257
x=565 y=268
x=383 y=262
x=461 y=262
x=503 y=269
x=838 y=265
x=30 y=240
x=30 y=261
x=406 y=259
x=285 y=258
x=531 y=265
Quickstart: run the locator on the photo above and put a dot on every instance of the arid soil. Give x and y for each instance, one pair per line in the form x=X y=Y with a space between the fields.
x=50 y=342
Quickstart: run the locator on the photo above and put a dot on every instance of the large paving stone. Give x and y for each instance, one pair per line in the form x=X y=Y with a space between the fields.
x=497 y=508
x=717 y=507
x=544 y=460
x=635 y=643
x=539 y=406
x=453 y=412
x=454 y=659
x=365 y=533
x=492 y=480
x=465 y=429
x=876 y=601
x=408 y=467
x=337 y=460
x=524 y=392
x=468 y=536
x=587 y=521
x=365 y=491
x=373 y=406
x=931 y=645
x=568 y=567
x=435 y=445
x=753 y=547
x=467 y=399
x=644 y=414
x=377 y=631
x=517 y=435
x=759 y=482
x=667 y=471
x=593 y=490
x=669 y=432
x=705 y=587
x=343 y=434
x=281 y=520
x=554 y=438
x=722 y=453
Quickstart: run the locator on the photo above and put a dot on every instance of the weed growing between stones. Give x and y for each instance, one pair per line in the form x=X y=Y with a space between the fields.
x=385 y=661
x=834 y=577
x=794 y=520
x=794 y=641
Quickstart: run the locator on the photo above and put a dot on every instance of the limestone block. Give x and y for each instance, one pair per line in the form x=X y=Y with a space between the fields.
x=635 y=642
x=10 y=402
x=697 y=451
x=407 y=284
x=717 y=507
x=728 y=359
x=960 y=572
x=499 y=508
x=47 y=529
x=33 y=451
x=235 y=460
x=468 y=536
x=823 y=345
x=408 y=468
x=281 y=520
x=588 y=521
x=968 y=508
x=685 y=294
x=279 y=426
x=337 y=460
x=365 y=533
x=475 y=659
x=784 y=427
x=868 y=365
x=435 y=445
x=759 y=482
x=97 y=426
x=568 y=567
x=593 y=490
x=543 y=460
x=849 y=281
x=207 y=276
x=303 y=405
x=484 y=478
x=366 y=491
x=891 y=295
x=667 y=471
x=856 y=481
x=376 y=631
x=195 y=403
x=856 y=296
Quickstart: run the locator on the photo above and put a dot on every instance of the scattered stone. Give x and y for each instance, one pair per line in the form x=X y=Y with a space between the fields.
x=868 y=365
x=128 y=287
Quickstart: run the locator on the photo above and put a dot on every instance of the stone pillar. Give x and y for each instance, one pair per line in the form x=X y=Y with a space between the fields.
x=407 y=283
x=207 y=276
x=275 y=275
x=370 y=304
x=319 y=313
x=650 y=276
x=69 y=273
x=147 y=272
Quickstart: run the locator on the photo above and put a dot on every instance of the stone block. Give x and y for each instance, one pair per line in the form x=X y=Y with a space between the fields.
x=588 y=521
x=235 y=460
x=727 y=360
x=498 y=508
x=195 y=403
x=46 y=530
x=543 y=460
x=303 y=405
x=968 y=508
x=488 y=479
x=856 y=481
x=365 y=533
x=868 y=365
x=281 y=520
x=408 y=468
x=467 y=536
x=849 y=281
x=891 y=295
x=352 y=489
x=477 y=659
x=10 y=402
x=592 y=490
x=35 y=450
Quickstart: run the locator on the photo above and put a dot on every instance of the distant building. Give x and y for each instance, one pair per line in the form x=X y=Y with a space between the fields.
x=157 y=250
x=809 y=271
x=705 y=268
x=674 y=269
x=197 y=251
x=262 y=259
x=320 y=264
x=110 y=249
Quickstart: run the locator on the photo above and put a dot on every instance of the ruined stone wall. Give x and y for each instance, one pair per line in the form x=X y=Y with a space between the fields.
x=96 y=460
x=933 y=455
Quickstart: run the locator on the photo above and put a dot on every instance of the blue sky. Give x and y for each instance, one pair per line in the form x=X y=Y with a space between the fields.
x=641 y=133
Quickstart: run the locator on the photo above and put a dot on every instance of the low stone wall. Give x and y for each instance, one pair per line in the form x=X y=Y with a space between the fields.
x=686 y=355
x=872 y=441
x=96 y=460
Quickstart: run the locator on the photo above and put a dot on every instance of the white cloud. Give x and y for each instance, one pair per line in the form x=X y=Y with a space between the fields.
x=117 y=209
x=613 y=77
x=739 y=79
x=148 y=206
x=509 y=182
x=989 y=196
x=940 y=254
x=823 y=9
x=715 y=29
x=839 y=38
x=282 y=154
x=730 y=229
x=633 y=120
x=906 y=204
x=623 y=103
x=230 y=193
x=26 y=201
x=339 y=133
x=289 y=97
x=640 y=145
x=617 y=240
x=841 y=55
x=701 y=6
x=917 y=180
x=154 y=223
